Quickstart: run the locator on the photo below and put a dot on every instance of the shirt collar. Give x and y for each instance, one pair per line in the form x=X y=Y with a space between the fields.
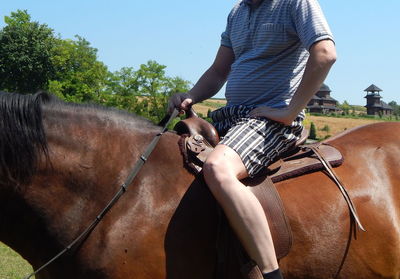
x=250 y=2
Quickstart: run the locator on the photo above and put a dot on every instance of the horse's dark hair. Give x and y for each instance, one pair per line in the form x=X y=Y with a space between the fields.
x=21 y=136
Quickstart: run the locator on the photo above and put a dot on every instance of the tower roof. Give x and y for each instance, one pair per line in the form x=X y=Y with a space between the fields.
x=324 y=88
x=373 y=88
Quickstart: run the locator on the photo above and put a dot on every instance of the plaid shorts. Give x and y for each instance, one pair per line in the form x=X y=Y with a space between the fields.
x=257 y=140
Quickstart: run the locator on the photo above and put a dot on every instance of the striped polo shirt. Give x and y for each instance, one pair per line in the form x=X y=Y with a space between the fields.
x=270 y=42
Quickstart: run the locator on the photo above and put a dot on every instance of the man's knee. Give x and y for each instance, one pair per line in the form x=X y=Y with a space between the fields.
x=224 y=163
x=212 y=167
x=217 y=176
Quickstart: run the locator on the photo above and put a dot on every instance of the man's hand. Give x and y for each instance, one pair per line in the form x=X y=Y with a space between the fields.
x=180 y=101
x=281 y=115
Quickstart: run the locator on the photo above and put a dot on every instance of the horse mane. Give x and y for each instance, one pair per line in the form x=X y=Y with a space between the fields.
x=22 y=133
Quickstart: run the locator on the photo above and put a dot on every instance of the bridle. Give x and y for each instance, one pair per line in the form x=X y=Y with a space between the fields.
x=123 y=188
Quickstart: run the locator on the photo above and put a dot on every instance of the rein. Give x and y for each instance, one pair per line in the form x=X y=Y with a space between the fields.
x=123 y=188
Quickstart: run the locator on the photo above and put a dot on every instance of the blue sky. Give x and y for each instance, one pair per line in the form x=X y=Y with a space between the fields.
x=184 y=36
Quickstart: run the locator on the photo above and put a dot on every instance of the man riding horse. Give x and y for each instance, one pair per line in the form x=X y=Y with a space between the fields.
x=274 y=55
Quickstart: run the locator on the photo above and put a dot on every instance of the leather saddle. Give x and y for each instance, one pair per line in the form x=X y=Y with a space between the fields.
x=199 y=139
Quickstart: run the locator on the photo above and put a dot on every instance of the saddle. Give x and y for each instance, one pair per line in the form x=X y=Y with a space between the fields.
x=198 y=139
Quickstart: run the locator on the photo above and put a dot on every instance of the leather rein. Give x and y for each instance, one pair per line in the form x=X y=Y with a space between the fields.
x=123 y=188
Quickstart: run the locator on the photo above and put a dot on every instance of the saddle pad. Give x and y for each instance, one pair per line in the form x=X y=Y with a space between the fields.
x=304 y=161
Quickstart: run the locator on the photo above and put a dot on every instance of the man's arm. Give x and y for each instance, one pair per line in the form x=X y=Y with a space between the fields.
x=209 y=84
x=322 y=57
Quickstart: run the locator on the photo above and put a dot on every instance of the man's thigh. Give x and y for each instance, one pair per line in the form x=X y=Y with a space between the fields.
x=258 y=142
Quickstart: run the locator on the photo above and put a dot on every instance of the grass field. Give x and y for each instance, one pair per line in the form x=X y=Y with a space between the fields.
x=336 y=125
x=12 y=266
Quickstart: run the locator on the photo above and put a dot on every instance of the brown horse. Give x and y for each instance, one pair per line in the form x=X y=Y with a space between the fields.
x=61 y=163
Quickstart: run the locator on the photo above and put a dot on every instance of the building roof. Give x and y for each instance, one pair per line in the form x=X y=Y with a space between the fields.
x=382 y=105
x=386 y=106
x=373 y=88
x=323 y=107
x=324 y=88
x=370 y=96
x=328 y=98
x=374 y=106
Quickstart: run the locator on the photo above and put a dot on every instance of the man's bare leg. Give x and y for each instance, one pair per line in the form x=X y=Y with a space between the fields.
x=222 y=172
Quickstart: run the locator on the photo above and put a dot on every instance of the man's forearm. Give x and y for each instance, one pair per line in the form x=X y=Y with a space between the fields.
x=208 y=85
x=322 y=57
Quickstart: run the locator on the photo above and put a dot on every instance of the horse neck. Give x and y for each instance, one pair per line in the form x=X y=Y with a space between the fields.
x=90 y=154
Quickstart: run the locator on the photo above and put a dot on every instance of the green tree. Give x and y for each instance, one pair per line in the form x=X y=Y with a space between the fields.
x=32 y=58
x=80 y=77
x=156 y=88
x=177 y=85
x=326 y=128
x=145 y=91
x=313 y=132
x=25 y=54
x=124 y=82
x=345 y=107
x=396 y=108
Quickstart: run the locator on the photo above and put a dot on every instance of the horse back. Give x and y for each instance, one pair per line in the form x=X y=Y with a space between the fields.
x=320 y=219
